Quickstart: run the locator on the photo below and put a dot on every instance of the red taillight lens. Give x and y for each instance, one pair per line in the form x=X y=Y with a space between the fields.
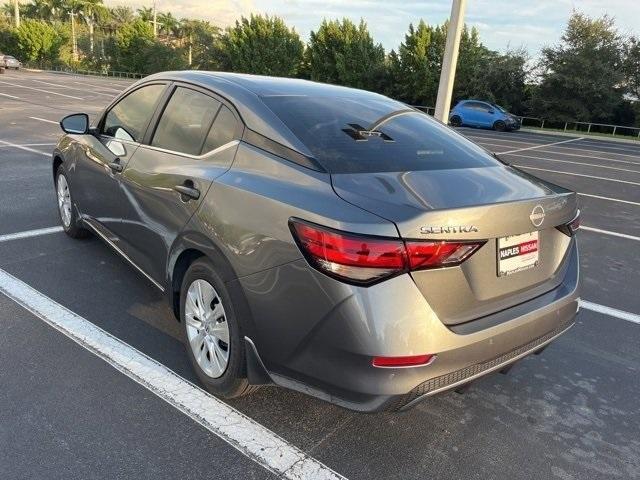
x=574 y=224
x=355 y=257
x=571 y=227
x=411 y=361
x=439 y=254
x=365 y=259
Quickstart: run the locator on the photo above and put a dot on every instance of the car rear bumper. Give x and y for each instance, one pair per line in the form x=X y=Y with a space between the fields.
x=326 y=350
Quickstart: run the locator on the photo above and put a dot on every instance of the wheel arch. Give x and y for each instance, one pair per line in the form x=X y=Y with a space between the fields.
x=57 y=161
x=192 y=246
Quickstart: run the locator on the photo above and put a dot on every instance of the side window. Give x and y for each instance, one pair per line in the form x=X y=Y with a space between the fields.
x=128 y=119
x=222 y=131
x=185 y=122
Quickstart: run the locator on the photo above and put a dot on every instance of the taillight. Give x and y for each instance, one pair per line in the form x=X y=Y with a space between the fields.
x=571 y=227
x=439 y=254
x=395 y=362
x=366 y=259
x=574 y=224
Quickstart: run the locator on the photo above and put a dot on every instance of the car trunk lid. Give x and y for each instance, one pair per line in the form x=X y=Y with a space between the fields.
x=486 y=203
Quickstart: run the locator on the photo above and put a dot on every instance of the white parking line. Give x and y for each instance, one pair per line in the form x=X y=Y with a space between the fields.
x=30 y=145
x=546 y=159
x=609 y=232
x=26 y=149
x=44 y=120
x=609 y=199
x=577 y=174
x=556 y=152
x=29 y=233
x=595 y=157
x=543 y=145
x=99 y=86
x=40 y=90
x=72 y=88
x=10 y=96
x=475 y=137
x=612 y=312
x=249 y=437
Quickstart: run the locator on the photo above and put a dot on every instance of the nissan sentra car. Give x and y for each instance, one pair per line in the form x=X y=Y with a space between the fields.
x=325 y=239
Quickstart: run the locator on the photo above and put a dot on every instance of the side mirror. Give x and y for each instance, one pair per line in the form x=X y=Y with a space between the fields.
x=491 y=112
x=78 y=124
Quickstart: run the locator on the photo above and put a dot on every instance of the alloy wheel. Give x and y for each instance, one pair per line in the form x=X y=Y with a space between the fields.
x=207 y=328
x=64 y=201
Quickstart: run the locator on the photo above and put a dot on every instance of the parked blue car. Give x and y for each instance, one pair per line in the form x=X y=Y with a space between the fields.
x=476 y=113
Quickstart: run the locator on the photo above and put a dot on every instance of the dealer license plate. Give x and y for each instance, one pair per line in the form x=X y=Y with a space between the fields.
x=517 y=253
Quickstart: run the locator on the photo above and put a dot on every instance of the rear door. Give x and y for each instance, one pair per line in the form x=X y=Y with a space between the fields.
x=194 y=141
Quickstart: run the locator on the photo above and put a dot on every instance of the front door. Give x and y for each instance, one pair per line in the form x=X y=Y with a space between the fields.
x=107 y=155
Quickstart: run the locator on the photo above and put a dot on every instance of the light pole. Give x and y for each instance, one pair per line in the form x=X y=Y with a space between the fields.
x=448 y=72
x=74 y=45
x=16 y=13
x=155 y=21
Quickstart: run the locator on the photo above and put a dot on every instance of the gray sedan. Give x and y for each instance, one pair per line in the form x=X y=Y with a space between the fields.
x=324 y=239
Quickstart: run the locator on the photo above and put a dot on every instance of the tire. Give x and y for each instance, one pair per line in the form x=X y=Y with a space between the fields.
x=207 y=340
x=455 y=121
x=71 y=223
x=500 y=126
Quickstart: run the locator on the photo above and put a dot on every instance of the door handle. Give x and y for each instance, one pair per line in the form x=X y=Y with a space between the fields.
x=186 y=191
x=116 y=166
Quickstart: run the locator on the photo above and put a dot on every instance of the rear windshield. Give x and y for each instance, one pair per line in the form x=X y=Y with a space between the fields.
x=356 y=135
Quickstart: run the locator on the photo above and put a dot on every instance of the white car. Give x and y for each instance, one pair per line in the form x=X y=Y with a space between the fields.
x=11 y=62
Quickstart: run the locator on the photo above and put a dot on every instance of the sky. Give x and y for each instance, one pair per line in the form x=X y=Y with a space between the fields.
x=503 y=24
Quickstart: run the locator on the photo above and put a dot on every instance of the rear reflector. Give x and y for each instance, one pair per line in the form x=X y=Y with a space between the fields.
x=411 y=361
x=363 y=259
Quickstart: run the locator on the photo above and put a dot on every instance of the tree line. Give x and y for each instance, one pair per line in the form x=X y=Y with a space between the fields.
x=592 y=74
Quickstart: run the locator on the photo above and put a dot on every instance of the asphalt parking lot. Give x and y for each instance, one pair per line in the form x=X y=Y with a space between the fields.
x=65 y=412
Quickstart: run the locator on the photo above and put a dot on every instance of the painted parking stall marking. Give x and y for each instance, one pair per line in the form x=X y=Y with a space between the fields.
x=600 y=197
x=41 y=90
x=608 y=232
x=578 y=175
x=542 y=146
x=610 y=311
x=44 y=120
x=9 y=96
x=249 y=437
x=30 y=233
x=22 y=147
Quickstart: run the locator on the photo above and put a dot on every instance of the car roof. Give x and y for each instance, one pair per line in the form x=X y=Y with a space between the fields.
x=246 y=92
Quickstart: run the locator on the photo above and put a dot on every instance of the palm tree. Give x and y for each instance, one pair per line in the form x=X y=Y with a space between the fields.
x=48 y=10
x=145 y=14
x=122 y=14
x=91 y=11
x=169 y=25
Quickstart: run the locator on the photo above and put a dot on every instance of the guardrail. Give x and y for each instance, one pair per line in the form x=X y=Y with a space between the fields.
x=95 y=73
x=103 y=73
x=584 y=127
